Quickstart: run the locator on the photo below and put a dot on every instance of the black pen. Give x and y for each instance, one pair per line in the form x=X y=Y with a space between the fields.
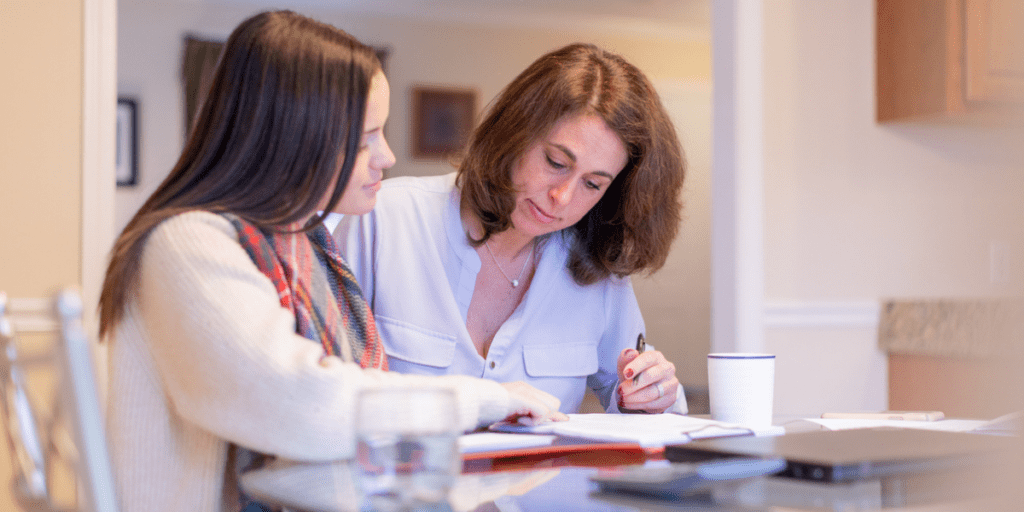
x=640 y=346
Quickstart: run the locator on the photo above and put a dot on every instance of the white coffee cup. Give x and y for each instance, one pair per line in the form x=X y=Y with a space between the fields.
x=741 y=388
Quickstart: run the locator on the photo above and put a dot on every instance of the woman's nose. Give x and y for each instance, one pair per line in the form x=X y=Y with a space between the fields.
x=561 y=192
x=386 y=158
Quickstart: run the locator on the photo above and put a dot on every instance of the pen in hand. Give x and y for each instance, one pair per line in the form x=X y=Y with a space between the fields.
x=640 y=346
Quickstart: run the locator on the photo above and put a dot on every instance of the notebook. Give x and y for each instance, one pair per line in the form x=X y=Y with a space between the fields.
x=849 y=455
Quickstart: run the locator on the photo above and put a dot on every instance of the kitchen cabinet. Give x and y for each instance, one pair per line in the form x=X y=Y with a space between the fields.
x=948 y=59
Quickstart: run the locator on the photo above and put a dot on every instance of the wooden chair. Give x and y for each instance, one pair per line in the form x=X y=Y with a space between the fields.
x=73 y=432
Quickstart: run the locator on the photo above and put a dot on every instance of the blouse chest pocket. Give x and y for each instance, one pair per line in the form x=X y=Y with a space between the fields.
x=560 y=360
x=415 y=344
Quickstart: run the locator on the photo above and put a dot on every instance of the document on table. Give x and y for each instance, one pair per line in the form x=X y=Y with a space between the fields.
x=1008 y=424
x=647 y=430
x=947 y=425
x=476 y=442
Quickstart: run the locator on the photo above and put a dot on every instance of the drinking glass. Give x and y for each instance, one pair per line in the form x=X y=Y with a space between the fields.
x=407 y=448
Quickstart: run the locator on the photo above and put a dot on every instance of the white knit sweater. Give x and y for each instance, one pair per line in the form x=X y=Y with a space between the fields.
x=206 y=357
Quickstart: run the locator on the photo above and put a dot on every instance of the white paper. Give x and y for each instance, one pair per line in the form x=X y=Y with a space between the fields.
x=491 y=441
x=943 y=425
x=648 y=430
x=1008 y=424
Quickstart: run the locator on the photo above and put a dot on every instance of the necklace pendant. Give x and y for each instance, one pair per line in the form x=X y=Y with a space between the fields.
x=514 y=282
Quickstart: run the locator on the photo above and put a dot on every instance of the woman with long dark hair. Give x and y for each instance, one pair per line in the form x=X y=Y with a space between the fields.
x=236 y=330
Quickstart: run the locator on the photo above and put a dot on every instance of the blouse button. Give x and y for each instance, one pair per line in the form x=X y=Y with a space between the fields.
x=492 y=365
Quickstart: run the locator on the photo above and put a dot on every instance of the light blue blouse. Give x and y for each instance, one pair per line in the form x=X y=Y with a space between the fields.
x=418 y=271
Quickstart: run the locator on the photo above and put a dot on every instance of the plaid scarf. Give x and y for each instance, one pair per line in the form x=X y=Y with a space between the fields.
x=313 y=281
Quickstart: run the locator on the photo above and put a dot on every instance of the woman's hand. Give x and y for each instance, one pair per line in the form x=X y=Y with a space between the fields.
x=655 y=390
x=531 y=406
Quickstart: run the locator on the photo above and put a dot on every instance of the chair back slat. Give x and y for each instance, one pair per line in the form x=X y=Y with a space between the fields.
x=77 y=409
x=83 y=404
x=23 y=433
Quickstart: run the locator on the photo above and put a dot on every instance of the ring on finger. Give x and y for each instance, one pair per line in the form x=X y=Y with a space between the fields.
x=661 y=390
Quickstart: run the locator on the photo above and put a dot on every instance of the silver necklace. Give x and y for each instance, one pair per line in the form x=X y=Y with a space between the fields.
x=515 y=282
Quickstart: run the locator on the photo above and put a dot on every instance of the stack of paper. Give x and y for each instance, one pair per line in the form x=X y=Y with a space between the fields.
x=1009 y=424
x=647 y=430
x=946 y=425
x=492 y=441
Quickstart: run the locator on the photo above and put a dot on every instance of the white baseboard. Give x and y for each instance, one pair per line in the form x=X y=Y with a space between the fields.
x=843 y=315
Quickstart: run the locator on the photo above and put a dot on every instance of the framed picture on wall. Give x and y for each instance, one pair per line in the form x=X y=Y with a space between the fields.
x=442 y=119
x=127 y=143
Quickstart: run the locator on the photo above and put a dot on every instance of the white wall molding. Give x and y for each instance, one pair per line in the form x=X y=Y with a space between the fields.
x=737 y=176
x=99 y=121
x=99 y=126
x=839 y=315
x=833 y=344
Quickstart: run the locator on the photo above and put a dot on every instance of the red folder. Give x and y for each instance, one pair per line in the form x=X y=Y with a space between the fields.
x=564 y=451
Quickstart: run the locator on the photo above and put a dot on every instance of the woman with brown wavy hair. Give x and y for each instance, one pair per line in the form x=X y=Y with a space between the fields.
x=516 y=267
x=237 y=332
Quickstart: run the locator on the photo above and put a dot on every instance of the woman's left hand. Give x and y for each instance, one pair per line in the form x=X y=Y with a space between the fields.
x=655 y=390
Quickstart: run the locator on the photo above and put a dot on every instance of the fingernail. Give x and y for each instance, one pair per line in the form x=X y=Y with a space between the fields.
x=629 y=373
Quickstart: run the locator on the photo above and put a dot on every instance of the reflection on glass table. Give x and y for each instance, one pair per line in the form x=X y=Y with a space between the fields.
x=329 y=487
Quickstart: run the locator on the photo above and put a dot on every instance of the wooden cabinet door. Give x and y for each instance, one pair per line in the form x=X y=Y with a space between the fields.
x=944 y=59
x=994 y=50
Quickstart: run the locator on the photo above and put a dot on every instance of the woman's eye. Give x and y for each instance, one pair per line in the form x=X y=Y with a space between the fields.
x=593 y=186
x=553 y=163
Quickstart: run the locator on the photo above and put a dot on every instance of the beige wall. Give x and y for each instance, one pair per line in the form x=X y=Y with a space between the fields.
x=483 y=57
x=40 y=151
x=860 y=210
x=856 y=212
x=40 y=182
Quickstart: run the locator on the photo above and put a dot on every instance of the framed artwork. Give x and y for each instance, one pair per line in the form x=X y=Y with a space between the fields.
x=127 y=143
x=199 y=58
x=442 y=119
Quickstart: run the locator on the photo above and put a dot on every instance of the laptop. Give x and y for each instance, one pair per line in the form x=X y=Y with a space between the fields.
x=850 y=455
